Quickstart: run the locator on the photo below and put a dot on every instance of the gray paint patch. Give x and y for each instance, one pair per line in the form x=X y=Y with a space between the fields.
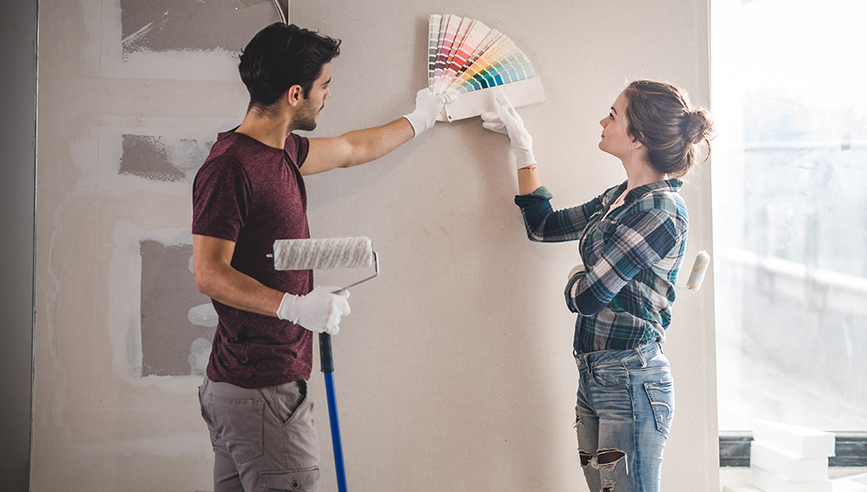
x=144 y=156
x=171 y=344
x=192 y=25
x=161 y=159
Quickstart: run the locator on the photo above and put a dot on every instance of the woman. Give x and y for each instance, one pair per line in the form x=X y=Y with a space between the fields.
x=632 y=240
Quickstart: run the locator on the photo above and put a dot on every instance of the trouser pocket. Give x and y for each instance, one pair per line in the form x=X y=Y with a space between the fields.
x=238 y=425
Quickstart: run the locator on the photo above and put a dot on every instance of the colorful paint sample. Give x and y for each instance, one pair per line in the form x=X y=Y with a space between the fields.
x=464 y=55
x=432 y=43
x=467 y=57
x=447 y=31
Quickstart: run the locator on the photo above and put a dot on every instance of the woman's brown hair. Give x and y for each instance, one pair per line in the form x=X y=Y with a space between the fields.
x=661 y=118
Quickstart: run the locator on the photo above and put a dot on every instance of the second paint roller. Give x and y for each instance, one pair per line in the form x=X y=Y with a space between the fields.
x=699 y=269
x=316 y=254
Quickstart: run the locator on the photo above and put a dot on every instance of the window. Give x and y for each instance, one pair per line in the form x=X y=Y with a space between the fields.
x=790 y=212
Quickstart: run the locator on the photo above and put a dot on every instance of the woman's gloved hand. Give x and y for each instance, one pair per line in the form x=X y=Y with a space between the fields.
x=507 y=120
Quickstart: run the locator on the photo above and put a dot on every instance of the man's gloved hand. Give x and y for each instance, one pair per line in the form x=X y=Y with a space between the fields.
x=507 y=120
x=318 y=311
x=427 y=108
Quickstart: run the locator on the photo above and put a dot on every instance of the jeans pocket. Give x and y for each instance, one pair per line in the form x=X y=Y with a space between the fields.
x=661 y=397
x=611 y=377
x=240 y=423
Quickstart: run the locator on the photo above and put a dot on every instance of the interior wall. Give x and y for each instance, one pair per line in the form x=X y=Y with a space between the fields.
x=454 y=370
x=18 y=141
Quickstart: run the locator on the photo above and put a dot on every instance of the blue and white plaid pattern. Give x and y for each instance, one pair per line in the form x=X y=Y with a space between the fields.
x=632 y=257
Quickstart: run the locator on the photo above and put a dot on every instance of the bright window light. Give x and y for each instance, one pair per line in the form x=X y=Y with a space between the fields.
x=789 y=96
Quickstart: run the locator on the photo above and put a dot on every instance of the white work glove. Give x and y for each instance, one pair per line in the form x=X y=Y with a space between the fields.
x=507 y=120
x=318 y=311
x=427 y=108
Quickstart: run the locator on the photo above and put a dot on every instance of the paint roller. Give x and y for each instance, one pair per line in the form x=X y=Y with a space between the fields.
x=315 y=254
x=699 y=269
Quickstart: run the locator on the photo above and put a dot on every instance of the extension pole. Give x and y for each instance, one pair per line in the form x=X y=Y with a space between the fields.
x=327 y=366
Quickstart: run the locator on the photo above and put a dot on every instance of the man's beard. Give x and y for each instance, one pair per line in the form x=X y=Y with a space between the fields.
x=306 y=119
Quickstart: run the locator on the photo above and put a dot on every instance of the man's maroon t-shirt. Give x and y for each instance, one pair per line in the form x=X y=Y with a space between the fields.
x=253 y=194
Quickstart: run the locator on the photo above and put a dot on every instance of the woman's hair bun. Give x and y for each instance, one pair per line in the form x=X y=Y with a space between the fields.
x=700 y=126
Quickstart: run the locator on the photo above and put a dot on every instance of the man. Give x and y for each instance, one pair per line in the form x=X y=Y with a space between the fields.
x=249 y=192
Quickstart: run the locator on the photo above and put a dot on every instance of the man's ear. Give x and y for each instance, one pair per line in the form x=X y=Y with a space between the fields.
x=295 y=95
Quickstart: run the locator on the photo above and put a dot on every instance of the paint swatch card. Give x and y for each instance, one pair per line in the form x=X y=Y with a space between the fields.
x=468 y=59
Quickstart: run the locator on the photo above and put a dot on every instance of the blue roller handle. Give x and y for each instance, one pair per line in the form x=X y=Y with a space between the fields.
x=327 y=365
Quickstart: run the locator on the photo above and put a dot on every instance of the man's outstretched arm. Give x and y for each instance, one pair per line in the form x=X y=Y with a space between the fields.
x=361 y=146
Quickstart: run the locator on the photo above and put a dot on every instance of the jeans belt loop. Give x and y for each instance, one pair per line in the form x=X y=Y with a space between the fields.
x=580 y=359
x=641 y=356
x=583 y=361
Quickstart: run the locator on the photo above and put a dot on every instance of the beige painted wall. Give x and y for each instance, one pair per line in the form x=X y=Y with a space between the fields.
x=454 y=370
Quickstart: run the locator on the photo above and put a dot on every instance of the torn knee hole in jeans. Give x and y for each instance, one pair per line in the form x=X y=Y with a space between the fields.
x=608 y=458
x=586 y=458
x=608 y=486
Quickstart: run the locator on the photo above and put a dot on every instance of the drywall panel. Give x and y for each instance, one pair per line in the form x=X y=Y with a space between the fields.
x=454 y=370
x=120 y=328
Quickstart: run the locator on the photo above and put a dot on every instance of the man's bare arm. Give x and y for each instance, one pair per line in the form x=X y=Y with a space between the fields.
x=217 y=279
x=359 y=147
x=356 y=147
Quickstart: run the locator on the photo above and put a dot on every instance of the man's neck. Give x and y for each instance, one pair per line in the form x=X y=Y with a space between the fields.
x=270 y=130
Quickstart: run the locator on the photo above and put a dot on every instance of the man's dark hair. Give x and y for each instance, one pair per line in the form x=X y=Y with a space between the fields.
x=280 y=56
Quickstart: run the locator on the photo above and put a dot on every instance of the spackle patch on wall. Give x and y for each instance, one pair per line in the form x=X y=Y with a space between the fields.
x=161 y=326
x=162 y=159
x=178 y=40
x=177 y=322
x=203 y=25
x=145 y=152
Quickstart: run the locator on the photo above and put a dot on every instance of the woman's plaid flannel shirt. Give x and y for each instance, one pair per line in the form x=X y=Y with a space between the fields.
x=632 y=257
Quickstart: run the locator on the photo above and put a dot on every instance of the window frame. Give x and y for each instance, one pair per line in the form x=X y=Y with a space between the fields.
x=850 y=449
